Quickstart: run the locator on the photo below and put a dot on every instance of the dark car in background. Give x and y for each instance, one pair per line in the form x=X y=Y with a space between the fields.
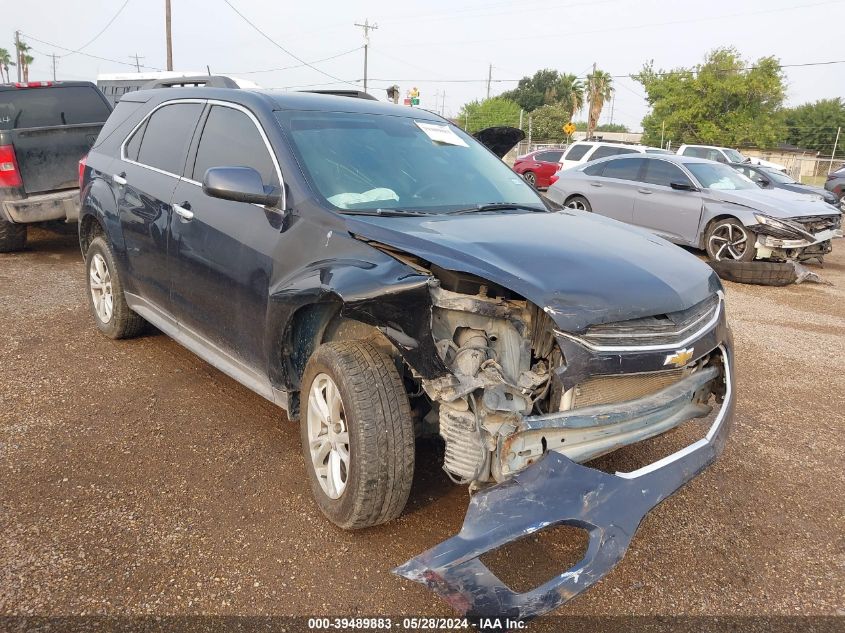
x=382 y=276
x=835 y=183
x=539 y=166
x=45 y=128
x=768 y=178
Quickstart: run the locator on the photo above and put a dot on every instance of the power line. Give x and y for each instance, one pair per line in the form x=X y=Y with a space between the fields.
x=105 y=59
x=282 y=48
x=315 y=61
x=103 y=30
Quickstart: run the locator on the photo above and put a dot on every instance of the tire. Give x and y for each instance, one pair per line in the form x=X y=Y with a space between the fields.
x=12 y=236
x=531 y=178
x=728 y=240
x=580 y=203
x=374 y=417
x=105 y=293
x=758 y=273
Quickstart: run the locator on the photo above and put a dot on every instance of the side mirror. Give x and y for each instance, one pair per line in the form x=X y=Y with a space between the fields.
x=241 y=184
x=682 y=186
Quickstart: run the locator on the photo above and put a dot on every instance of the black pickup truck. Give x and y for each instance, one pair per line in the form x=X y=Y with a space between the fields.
x=45 y=129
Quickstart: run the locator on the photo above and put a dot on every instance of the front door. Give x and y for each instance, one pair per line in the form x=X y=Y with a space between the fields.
x=144 y=180
x=222 y=250
x=672 y=213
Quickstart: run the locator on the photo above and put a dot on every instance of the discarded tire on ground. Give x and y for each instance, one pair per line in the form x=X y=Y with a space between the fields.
x=760 y=273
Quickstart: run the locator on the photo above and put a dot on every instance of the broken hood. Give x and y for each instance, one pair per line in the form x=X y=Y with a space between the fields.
x=777 y=203
x=581 y=268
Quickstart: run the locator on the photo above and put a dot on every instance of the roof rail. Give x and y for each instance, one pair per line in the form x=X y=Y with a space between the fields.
x=355 y=94
x=208 y=81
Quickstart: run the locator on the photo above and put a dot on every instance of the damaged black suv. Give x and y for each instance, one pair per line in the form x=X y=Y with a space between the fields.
x=381 y=275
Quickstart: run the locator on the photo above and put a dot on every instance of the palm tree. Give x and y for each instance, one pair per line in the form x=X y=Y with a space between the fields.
x=5 y=60
x=27 y=60
x=599 y=89
x=570 y=93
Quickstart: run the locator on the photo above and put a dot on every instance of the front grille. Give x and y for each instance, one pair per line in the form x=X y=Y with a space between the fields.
x=814 y=224
x=660 y=329
x=612 y=389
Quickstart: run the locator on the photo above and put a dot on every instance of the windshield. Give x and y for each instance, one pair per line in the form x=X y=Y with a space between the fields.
x=778 y=176
x=718 y=176
x=734 y=156
x=369 y=162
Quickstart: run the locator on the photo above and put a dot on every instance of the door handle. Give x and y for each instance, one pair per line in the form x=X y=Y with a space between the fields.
x=184 y=211
x=119 y=179
x=596 y=184
x=646 y=191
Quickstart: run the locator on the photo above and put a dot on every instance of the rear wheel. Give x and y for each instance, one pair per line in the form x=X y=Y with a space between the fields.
x=579 y=202
x=12 y=236
x=105 y=294
x=530 y=177
x=357 y=434
x=728 y=239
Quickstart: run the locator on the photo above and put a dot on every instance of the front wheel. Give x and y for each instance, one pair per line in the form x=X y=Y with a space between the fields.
x=357 y=434
x=728 y=239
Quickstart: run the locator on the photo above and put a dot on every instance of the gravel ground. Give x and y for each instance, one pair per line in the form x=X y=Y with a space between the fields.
x=137 y=479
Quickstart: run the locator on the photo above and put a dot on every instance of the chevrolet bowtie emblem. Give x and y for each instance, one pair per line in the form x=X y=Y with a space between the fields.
x=679 y=358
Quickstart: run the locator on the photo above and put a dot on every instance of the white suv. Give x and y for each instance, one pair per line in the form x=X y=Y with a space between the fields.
x=584 y=151
x=725 y=155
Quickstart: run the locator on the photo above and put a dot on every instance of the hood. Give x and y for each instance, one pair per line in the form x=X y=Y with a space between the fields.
x=778 y=203
x=581 y=268
x=500 y=140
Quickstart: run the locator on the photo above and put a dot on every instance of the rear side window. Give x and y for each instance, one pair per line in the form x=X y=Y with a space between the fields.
x=548 y=157
x=607 y=150
x=576 y=152
x=166 y=137
x=623 y=168
x=231 y=139
x=50 y=107
x=661 y=172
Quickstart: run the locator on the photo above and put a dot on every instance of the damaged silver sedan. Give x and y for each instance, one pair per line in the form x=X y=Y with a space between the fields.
x=382 y=276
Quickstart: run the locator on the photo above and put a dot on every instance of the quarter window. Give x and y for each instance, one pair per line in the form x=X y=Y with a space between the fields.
x=134 y=143
x=664 y=173
x=166 y=137
x=576 y=152
x=623 y=168
x=231 y=139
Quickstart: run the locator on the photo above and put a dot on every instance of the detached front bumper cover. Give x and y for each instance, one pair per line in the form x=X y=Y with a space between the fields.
x=558 y=491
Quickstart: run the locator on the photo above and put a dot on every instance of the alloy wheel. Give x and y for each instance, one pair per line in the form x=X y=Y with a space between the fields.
x=576 y=204
x=99 y=280
x=728 y=241
x=530 y=178
x=328 y=436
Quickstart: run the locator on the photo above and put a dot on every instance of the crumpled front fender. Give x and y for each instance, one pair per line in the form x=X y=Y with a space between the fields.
x=557 y=491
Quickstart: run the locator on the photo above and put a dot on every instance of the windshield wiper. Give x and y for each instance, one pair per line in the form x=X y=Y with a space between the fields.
x=497 y=206
x=385 y=213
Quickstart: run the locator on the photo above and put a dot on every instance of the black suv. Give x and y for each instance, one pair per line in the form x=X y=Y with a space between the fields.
x=381 y=275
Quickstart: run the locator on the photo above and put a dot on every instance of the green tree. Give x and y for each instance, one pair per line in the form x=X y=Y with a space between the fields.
x=814 y=125
x=548 y=87
x=599 y=90
x=581 y=126
x=477 y=115
x=547 y=122
x=719 y=102
x=5 y=62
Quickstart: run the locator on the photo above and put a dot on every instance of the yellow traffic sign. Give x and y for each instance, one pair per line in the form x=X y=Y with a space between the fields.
x=569 y=128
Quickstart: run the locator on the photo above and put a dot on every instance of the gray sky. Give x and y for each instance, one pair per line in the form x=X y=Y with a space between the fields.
x=424 y=44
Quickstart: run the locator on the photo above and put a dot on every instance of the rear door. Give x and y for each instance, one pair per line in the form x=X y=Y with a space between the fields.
x=53 y=127
x=575 y=154
x=222 y=256
x=612 y=192
x=152 y=159
x=674 y=214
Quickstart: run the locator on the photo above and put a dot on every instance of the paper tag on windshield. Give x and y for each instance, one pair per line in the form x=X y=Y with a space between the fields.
x=441 y=134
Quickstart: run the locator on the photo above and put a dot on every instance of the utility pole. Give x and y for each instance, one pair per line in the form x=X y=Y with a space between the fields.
x=833 y=153
x=367 y=27
x=662 y=130
x=138 y=59
x=489 y=79
x=18 y=53
x=612 y=106
x=53 y=55
x=168 y=35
